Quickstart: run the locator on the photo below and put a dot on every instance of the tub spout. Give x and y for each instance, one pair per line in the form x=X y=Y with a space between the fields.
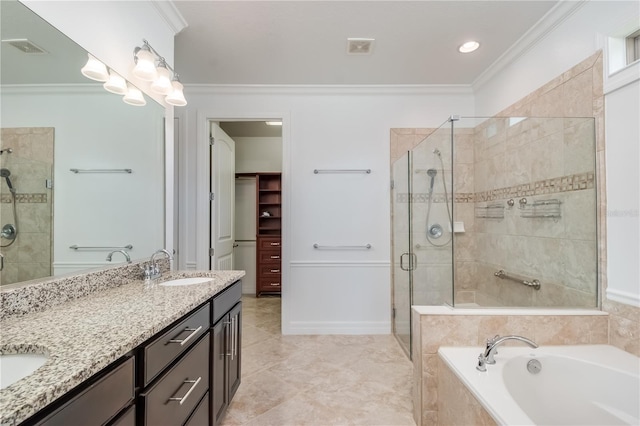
x=486 y=357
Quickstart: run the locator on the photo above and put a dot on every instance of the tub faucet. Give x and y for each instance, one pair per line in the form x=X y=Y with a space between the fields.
x=491 y=349
x=153 y=270
x=124 y=253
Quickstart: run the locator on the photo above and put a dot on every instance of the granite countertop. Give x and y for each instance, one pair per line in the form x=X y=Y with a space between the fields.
x=85 y=335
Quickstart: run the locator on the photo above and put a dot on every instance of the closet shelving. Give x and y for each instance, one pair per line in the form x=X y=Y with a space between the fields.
x=269 y=230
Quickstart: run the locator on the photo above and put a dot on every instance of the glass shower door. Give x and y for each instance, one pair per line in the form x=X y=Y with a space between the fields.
x=402 y=255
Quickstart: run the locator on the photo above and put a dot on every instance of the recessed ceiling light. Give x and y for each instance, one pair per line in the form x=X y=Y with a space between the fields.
x=273 y=123
x=468 y=47
x=359 y=46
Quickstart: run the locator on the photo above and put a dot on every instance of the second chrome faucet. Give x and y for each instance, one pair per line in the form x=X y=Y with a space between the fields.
x=491 y=349
x=152 y=270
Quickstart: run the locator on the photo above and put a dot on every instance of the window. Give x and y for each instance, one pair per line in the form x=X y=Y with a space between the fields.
x=633 y=47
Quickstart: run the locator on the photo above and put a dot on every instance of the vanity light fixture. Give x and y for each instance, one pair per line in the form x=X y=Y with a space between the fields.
x=134 y=96
x=95 y=70
x=116 y=84
x=469 y=46
x=164 y=79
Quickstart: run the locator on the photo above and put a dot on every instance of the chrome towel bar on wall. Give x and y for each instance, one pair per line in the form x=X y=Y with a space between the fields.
x=320 y=171
x=321 y=247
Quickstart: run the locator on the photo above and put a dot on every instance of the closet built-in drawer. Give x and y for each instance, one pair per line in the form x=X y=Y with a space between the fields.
x=269 y=270
x=100 y=402
x=269 y=242
x=159 y=353
x=173 y=398
x=269 y=284
x=269 y=256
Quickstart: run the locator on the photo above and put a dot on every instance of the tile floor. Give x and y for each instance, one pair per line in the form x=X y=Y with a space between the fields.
x=317 y=380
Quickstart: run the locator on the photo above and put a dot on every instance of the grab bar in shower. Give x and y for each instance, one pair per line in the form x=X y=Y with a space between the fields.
x=535 y=284
x=318 y=171
x=321 y=247
x=77 y=247
x=101 y=170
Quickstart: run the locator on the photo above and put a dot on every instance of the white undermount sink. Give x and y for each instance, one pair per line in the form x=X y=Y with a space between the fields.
x=186 y=281
x=14 y=367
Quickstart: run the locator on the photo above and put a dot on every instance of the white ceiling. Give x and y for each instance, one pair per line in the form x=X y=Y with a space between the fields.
x=305 y=42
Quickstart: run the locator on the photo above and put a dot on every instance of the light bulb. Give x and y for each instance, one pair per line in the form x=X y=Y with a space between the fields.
x=162 y=83
x=145 y=68
x=116 y=84
x=95 y=70
x=468 y=47
x=134 y=96
x=176 y=97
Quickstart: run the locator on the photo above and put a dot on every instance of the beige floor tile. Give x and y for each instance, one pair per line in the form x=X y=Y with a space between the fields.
x=317 y=380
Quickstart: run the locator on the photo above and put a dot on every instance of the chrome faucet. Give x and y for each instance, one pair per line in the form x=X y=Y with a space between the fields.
x=152 y=271
x=491 y=349
x=124 y=253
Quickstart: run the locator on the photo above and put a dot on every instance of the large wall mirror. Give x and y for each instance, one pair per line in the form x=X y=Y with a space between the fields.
x=82 y=173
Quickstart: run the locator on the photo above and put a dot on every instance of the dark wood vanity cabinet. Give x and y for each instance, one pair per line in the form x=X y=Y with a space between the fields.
x=226 y=335
x=105 y=398
x=185 y=375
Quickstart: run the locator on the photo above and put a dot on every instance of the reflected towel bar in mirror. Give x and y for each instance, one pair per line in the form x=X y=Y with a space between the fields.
x=76 y=247
x=101 y=170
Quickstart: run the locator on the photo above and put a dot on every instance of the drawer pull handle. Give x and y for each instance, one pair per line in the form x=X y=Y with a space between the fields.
x=275 y=244
x=275 y=257
x=274 y=284
x=193 y=331
x=193 y=383
x=275 y=271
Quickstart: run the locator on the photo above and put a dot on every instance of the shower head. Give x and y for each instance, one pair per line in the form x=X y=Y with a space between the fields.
x=5 y=173
x=432 y=174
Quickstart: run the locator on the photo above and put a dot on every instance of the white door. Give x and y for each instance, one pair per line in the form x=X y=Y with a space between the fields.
x=223 y=170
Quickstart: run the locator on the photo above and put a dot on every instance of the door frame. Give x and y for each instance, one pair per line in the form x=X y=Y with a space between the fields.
x=203 y=117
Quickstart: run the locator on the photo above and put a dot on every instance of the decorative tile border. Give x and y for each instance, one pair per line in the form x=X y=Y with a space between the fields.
x=561 y=184
x=25 y=198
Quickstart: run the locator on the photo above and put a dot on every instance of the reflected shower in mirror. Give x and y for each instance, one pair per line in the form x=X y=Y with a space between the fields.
x=55 y=120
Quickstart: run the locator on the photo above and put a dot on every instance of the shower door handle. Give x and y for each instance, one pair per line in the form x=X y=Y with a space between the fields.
x=402 y=261
x=1 y=261
x=413 y=261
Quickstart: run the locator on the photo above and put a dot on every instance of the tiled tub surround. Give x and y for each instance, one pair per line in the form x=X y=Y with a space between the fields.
x=85 y=334
x=435 y=326
x=30 y=164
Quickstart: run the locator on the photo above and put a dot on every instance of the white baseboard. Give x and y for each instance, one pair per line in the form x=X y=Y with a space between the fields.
x=623 y=297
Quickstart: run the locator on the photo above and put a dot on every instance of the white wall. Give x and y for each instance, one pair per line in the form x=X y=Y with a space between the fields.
x=258 y=154
x=577 y=38
x=96 y=130
x=326 y=291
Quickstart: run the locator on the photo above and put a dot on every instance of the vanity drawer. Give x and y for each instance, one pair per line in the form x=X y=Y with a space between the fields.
x=173 y=398
x=224 y=301
x=100 y=402
x=200 y=417
x=159 y=353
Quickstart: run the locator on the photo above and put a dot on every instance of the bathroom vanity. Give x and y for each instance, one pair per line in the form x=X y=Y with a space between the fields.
x=135 y=354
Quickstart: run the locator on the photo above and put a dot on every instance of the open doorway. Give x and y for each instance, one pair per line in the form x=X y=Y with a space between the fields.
x=258 y=211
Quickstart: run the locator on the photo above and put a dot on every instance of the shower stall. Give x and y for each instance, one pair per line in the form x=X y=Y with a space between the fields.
x=495 y=212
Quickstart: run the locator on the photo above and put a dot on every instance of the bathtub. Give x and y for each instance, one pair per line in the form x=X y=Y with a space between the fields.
x=576 y=385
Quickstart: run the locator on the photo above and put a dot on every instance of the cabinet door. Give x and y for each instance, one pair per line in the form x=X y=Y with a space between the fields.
x=235 y=349
x=219 y=395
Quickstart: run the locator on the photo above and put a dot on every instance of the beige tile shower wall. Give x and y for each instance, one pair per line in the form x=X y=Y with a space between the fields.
x=30 y=164
x=434 y=331
x=537 y=159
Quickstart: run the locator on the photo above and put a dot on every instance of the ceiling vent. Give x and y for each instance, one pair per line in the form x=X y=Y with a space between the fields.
x=25 y=46
x=359 y=46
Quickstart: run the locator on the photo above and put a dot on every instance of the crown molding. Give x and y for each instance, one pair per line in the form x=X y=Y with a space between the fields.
x=323 y=89
x=554 y=17
x=170 y=14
